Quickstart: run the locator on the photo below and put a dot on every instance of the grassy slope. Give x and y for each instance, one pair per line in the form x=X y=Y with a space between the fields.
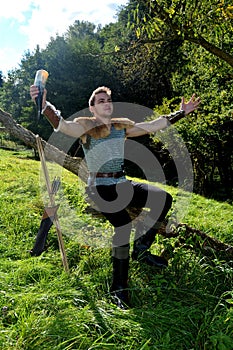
x=188 y=306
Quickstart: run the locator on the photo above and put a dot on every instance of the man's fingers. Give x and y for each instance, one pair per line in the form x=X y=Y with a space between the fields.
x=34 y=91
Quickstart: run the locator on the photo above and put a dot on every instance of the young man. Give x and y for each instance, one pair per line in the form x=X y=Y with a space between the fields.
x=103 y=143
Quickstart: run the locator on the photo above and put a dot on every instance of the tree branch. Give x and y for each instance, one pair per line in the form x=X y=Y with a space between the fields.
x=73 y=164
x=201 y=240
x=186 y=33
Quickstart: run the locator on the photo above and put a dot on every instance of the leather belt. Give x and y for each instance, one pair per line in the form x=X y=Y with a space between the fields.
x=115 y=175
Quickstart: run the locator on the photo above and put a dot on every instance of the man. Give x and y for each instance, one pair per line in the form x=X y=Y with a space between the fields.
x=103 y=143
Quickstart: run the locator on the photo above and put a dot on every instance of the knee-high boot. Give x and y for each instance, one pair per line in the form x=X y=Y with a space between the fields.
x=119 y=287
x=141 y=252
x=45 y=225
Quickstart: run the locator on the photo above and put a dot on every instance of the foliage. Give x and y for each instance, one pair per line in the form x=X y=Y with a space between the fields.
x=206 y=23
x=208 y=138
x=155 y=53
x=189 y=305
x=208 y=133
x=1 y=79
x=143 y=71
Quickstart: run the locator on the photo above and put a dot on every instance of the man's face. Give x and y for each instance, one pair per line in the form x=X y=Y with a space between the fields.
x=103 y=106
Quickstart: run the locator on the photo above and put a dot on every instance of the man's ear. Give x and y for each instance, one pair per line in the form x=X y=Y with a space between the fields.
x=91 y=109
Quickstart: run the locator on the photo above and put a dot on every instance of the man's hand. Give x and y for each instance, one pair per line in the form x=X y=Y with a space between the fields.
x=34 y=92
x=191 y=105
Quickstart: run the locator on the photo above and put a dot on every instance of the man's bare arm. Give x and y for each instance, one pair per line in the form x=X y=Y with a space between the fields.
x=165 y=120
x=147 y=127
x=70 y=128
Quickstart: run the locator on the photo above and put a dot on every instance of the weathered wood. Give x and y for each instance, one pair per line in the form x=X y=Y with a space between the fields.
x=52 y=153
x=52 y=204
x=196 y=240
x=207 y=245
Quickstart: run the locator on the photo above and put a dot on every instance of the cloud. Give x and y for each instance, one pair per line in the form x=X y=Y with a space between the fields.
x=10 y=57
x=15 y=10
x=50 y=18
x=38 y=21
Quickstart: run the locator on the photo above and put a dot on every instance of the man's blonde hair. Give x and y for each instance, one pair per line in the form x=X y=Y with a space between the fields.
x=97 y=91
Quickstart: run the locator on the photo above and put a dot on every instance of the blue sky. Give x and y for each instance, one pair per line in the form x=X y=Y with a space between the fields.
x=27 y=23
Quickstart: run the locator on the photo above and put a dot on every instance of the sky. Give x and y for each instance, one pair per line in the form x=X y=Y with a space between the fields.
x=24 y=24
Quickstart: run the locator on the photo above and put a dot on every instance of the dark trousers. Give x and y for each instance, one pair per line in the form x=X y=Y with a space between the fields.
x=113 y=200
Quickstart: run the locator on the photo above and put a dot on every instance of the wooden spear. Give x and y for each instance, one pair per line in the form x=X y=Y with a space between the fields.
x=52 y=203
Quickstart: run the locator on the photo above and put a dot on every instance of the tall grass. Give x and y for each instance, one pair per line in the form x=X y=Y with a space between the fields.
x=187 y=306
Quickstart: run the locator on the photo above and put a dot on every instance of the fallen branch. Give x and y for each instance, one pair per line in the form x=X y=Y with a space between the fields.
x=52 y=153
x=194 y=239
x=183 y=232
x=187 y=236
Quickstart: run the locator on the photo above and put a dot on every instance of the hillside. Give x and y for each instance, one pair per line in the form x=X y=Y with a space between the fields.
x=186 y=306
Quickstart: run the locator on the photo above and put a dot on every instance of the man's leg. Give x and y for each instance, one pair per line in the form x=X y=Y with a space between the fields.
x=120 y=256
x=159 y=202
x=119 y=286
x=120 y=219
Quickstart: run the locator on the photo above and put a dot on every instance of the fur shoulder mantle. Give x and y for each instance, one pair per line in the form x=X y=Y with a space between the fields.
x=97 y=130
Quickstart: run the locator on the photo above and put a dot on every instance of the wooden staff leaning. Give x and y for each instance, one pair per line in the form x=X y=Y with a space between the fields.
x=52 y=203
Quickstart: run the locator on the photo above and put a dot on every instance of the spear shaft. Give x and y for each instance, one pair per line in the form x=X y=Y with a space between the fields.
x=52 y=203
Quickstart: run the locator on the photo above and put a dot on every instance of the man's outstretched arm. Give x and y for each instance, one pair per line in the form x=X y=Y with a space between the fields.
x=71 y=128
x=165 y=120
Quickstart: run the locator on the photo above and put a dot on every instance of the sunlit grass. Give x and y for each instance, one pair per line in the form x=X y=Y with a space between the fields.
x=187 y=306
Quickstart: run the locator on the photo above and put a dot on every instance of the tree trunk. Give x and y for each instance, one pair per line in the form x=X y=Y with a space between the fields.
x=73 y=164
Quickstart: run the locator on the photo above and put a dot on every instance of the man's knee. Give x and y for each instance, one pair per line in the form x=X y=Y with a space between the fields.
x=122 y=235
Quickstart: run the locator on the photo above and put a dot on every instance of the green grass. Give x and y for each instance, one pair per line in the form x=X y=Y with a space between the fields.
x=187 y=306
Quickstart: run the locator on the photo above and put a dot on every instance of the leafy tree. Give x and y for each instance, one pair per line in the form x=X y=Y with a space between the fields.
x=75 y=67
x=201 y=68
x=206 y=23
x=1 y=79
x=144 y=71
x=151 y=62
x=73 y=73
x=208 y=133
